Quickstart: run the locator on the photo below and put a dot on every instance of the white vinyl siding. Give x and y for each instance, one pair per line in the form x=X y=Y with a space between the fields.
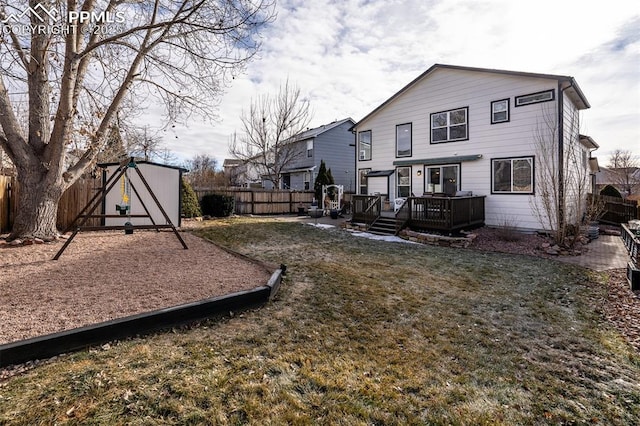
x=378 y=185
x=446 y=90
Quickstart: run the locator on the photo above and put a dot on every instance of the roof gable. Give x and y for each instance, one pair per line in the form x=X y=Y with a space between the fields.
x=315 y=132
x=566 y=82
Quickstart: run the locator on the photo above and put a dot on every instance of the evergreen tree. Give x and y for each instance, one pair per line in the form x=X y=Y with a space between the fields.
x=190 y=204
x=321 y=179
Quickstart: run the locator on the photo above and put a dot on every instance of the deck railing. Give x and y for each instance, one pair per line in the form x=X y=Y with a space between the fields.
x=445 y=213
x=366 y=209
x=632 y=243
x=435 y=213
x=403 y=215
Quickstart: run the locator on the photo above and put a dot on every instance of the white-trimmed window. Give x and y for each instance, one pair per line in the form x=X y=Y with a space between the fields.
x=512 y=175
x=534 y=98
x=310 y=148
x=500 y=111
x=364 y=145
x=403 y=182
x=307 y=181
x=449 y=126
x=403 y=140
x=444 y=178
x=364 y=186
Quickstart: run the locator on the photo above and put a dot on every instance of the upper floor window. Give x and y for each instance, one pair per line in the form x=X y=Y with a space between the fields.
x=364 y=145
x=512 y=175
x=310 y=148
x=448 y=126
x=500 y=111
x=534 y=98
x=403 y=140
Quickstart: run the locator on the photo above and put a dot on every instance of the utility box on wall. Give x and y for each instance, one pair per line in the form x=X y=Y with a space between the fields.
x=165 y=184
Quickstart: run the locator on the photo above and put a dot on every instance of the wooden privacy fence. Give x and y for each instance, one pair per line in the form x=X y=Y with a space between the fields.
x=7 y=204
x=75 y=198
x=618 y=210
x=263 y=202
x=72 y=201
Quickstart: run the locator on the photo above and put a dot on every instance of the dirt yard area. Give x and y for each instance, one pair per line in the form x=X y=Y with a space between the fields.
x=106 y=275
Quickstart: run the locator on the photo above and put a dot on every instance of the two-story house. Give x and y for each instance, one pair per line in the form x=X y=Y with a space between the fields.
x=503 y=135
x=331 y=143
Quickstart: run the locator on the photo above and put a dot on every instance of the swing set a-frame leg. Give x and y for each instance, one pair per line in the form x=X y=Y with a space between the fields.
x=104 y=193
x=109 y=184
x=164 y=213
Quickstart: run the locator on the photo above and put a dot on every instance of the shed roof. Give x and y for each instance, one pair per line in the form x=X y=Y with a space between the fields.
x=168 y=166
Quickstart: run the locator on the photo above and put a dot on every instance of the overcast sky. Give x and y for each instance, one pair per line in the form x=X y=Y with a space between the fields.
x=349 y=56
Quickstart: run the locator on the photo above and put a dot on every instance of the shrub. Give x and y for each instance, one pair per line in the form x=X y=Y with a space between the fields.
x=508 y=229
x=190 y=206
x=217 y=205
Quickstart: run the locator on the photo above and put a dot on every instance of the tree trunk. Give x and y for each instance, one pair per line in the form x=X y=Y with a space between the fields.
x=38 y=197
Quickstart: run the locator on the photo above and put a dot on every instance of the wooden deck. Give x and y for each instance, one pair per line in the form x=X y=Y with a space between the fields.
x=446 y=214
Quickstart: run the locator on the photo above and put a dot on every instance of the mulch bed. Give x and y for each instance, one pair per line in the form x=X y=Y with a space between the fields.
x=622 y=308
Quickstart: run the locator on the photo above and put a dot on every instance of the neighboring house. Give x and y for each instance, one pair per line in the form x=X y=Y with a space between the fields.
x=627 y=182
x=459 y=128
x=233 y=171
x=332 y=143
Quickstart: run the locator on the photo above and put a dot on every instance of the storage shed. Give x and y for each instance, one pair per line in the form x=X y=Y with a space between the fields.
x=164 y=182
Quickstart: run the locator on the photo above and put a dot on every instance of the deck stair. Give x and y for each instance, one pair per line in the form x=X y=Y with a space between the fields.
x=384 y=226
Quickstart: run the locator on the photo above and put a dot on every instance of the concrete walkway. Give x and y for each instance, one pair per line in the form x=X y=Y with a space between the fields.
x=605 y=252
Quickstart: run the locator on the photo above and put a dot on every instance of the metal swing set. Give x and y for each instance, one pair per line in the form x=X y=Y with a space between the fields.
x=123 y=209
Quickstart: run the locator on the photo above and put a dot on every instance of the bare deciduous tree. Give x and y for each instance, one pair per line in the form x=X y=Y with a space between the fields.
x=203 y=172
x=72 y=65
x=624 y=170
x=271 y=127
x=562 y=176
x=144 y=144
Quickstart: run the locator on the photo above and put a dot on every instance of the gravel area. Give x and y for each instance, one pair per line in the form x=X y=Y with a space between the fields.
x=107 y=275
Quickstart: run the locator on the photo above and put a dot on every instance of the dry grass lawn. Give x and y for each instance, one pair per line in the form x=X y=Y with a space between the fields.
x=362 y=333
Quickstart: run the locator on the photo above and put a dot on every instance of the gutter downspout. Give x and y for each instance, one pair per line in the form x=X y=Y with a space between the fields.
x=593 y=175
x=560 y=212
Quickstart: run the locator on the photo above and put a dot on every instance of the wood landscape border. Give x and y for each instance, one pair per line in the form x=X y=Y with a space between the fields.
x=136 y=325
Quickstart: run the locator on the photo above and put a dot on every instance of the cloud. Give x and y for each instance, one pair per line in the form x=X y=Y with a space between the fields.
x=350 y=56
